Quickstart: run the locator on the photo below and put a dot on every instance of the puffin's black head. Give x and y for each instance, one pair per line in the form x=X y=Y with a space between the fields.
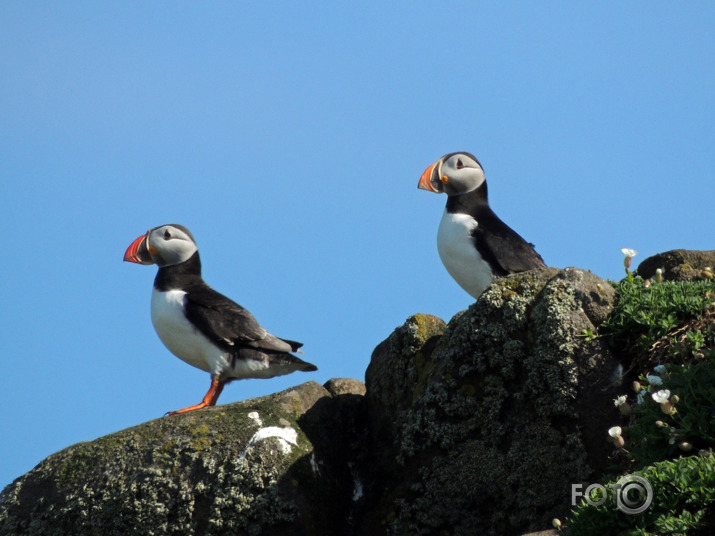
x=453 y=174
x=165 y=245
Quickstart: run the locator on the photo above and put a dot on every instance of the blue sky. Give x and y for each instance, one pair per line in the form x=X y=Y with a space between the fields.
x=289 y=137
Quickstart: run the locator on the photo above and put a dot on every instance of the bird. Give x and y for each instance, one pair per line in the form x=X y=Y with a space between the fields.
x=474 y=245
x=201 y=326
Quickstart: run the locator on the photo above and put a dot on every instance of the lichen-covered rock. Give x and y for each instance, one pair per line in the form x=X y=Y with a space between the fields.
x=493 y=418
x=244 y=468
x=677 y=264
x=398 y=371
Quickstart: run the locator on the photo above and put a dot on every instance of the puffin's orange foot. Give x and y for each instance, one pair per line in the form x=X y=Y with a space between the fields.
x=190 y=408
x=209 y=400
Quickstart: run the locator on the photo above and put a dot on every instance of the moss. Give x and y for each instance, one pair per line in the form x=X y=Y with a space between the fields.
x=424 y=326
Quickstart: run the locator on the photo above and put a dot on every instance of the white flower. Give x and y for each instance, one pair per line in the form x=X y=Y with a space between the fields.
x=622 y=405
x=659 y=369
x=616 y=437
x=628 y=259
x=654 y=380
x=662 y=396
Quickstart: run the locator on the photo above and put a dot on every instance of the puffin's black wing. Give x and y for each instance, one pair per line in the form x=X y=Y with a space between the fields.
x=228 y=324
x=502 y=247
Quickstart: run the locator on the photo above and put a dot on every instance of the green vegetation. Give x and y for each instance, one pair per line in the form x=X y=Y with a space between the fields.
x=684 y=495
x=647 y=312
x=667 y=331
x=689 y=427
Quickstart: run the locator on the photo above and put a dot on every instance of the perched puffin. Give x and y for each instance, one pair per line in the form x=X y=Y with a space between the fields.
x=201 y=326
x=474 y=244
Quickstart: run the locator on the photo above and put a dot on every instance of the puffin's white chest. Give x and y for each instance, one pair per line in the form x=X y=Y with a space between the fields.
x=179 y=335
x=459 y=255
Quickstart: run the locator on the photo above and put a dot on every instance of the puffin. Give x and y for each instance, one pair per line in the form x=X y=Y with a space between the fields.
x=474 y=245
x=201 y=326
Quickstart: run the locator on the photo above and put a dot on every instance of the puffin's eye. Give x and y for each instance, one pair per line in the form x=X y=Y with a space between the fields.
x=459 y=163
x=167 y=235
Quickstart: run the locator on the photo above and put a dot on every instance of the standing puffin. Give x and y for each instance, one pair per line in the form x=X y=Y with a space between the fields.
x=474 y=244
x=201 y=326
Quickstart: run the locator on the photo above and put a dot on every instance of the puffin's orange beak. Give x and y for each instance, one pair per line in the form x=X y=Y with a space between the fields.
x=425 y=182
x=429 y=182
x=138 y=251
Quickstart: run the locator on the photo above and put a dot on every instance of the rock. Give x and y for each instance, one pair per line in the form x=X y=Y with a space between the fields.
x=397 y=374
x=678 y=264
x=481 y=427
x=345 y=386
x=254 y=467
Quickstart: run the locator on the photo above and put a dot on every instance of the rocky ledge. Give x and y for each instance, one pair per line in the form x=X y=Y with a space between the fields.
x=262 y=466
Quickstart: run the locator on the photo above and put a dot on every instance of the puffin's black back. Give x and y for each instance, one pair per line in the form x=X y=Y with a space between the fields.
x=220 y=319
x=498 y=244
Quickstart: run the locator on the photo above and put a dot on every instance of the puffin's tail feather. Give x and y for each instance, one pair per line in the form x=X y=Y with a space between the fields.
x=294 y=345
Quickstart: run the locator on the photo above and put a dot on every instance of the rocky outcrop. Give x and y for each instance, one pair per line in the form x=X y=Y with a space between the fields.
x=678 y=264
x=481 y=426
x=478 y=426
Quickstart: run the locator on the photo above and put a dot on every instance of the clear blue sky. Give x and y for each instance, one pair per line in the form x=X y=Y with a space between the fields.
x=289 y=137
